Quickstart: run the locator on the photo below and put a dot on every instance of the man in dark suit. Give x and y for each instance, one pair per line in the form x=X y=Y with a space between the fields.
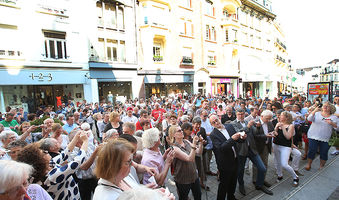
x=224 y=139
x=248 y=149
x=263 y=140
x=228 y=116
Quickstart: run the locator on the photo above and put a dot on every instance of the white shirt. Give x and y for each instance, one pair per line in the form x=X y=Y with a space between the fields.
x=227 y=136
x=265 y=128
x=132 y=119
x=207 y=126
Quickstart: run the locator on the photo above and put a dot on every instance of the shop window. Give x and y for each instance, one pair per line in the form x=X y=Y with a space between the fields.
x=157 y=52
x=55 y=45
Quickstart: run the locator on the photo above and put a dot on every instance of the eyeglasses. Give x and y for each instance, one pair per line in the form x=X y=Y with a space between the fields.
x=45 y=152
x=215 y=121
x=179 y=131
x=205 y=116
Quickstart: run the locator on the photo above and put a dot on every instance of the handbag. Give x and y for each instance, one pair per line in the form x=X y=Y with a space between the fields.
x=334 y=140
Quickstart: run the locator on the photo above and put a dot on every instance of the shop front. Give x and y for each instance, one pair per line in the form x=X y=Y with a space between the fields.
x=224 y=86
x=163 y=85
x=115 y=82
x=31 y=89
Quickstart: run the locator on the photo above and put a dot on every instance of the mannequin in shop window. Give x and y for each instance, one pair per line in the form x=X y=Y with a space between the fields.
x=110 y=97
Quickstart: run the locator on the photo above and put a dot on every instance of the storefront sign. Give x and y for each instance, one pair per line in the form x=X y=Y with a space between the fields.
x=317 y=89
x=41 y=77
x=225 y=80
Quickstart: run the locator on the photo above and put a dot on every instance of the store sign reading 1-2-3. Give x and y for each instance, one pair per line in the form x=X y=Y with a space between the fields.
x=41 y=77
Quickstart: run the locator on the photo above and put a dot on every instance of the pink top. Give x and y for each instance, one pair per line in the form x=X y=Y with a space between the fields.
x=152 y=159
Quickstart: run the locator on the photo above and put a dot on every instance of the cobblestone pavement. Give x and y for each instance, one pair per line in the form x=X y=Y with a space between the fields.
x=279 y=193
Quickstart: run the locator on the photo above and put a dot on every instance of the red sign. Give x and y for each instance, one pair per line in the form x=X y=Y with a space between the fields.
x=319 y=88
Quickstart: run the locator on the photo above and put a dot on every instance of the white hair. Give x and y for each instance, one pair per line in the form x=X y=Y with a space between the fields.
x=110 y=133
x=61 y=116
x=85 y=126
x=12 y=174
x=5 y=134
x=150 y=137
x=141 y=193
x=184 y=118
x=267 y=113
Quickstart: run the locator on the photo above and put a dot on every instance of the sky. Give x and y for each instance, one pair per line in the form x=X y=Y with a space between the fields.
x=311 y=29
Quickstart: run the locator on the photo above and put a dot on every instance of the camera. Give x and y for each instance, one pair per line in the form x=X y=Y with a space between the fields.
x=319 y=104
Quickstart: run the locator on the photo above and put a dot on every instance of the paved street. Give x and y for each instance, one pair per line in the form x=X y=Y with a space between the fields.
x=314 y=184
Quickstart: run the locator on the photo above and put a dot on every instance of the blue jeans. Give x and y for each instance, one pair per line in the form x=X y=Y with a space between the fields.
x=184 y=189
x=256 y=160
x=313 y=147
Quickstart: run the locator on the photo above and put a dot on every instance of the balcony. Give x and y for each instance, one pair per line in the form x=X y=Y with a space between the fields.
x=158 y=58
x=281 y=44
x=211 y=62
x=230 y=20
x=280 y=59
x=187 y=60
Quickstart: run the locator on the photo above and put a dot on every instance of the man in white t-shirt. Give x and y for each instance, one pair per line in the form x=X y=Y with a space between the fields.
x=130 y=117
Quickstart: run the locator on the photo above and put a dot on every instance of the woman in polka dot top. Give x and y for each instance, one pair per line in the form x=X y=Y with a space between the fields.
x=55 y=175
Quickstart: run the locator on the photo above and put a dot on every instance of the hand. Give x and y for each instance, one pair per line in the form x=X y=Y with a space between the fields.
x=330 y=122
x=170 y=157
x=151 y=185
x=236 y=136
x=201 y=139
x=98 y=148
x=166 y=153
x=270 y=135
x=243 y=137
x=195 y=140
x=250 y=123
x=32 y=128
x=151 y=171
x=279 y=125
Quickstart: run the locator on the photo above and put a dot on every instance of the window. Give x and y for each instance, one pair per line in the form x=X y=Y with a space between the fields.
x=186 y=3
x=235 y=35
x=122 y=50
x=157 y=54
x=211 y=58
x=227 y=36
x=111 y=47
x=208 y=34
x=159 y=16
x=214 y=34
x=55 y=45
x=187 y=55
x=110 y=16
x=111 y=50
x=121 y=24
x=335 y=77
x=209 y=9
x=186 y=28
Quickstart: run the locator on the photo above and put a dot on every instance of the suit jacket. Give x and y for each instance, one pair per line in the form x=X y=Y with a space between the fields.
x=222 y=149
x=250 y=139
x=225 y=118
x=260 y=138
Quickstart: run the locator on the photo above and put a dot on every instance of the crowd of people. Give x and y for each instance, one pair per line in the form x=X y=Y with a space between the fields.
x=126 y=151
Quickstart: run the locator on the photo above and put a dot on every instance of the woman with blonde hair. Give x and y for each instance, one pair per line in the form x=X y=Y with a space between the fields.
x=282 y=145
x=116 y=155
x=323 y=122
x=114 y=118
x=185 y=171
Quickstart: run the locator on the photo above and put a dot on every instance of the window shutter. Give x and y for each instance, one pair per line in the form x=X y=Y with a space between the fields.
x=215 y=35
x=209 y=34
x=185 y=28
x=213 y=11
x=192 y=30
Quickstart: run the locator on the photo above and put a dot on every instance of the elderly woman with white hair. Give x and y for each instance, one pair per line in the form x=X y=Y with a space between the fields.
x=6 y=137
x=110 y=134
x=14 y=182
x=152 y=157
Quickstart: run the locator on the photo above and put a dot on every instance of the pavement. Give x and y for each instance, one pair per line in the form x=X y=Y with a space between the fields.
x=314 y=185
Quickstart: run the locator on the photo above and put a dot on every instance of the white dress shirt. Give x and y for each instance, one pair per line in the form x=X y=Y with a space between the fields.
x=227 y=136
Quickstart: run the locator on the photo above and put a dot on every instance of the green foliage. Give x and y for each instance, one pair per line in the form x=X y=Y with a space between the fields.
x=40 y=121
